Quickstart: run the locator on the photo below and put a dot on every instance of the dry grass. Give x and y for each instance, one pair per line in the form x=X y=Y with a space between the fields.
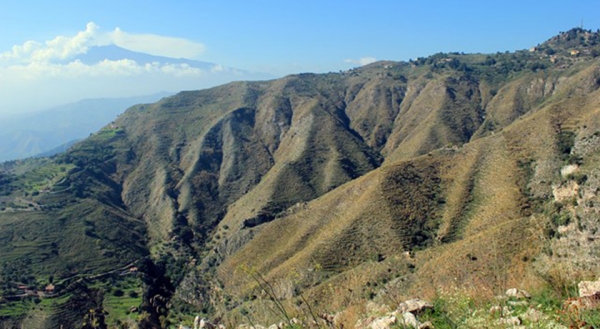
x=474 y=200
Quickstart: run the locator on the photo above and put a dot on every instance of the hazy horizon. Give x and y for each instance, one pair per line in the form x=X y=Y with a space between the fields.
x=43 y=63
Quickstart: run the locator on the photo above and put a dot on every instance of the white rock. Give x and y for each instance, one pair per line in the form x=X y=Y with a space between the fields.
x=414 y=306
x=426 y=325
x=517 y=293
x=568 y=169
x=511 y=321
x=565 y=191
x=383 y=322
x=588 y=288
x=205 y=324
x=410 y=320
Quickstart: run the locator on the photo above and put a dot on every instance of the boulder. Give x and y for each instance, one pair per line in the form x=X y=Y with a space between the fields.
x=580 y=303
x=517 y=293
x=410 y=320
x=383 y=323
x=415 y=306
x=588 y=288
x=205 y=324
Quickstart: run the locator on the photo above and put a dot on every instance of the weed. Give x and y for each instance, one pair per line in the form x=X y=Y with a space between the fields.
x=267 y=288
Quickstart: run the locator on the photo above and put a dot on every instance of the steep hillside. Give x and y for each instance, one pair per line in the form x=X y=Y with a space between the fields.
x=335 y=188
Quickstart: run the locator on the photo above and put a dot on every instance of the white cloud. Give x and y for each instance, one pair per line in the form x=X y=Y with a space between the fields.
x=362 y=61
x=37 y=75
x=156 y=45
x=59 y=48
x=57 y=57
x=105 y=68
x=64 y=48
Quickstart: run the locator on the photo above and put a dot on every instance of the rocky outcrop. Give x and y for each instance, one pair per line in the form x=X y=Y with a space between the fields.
x=415 y=306
x=404 y=316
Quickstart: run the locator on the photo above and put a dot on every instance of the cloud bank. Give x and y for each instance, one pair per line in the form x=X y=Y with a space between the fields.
x=157 y=45
x=63 y=48
x=362 y=61
x=37 y=75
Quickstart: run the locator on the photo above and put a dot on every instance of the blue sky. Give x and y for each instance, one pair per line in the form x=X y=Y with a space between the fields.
x=283 y=37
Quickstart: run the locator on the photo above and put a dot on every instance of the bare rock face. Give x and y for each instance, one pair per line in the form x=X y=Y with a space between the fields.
x=588 y=288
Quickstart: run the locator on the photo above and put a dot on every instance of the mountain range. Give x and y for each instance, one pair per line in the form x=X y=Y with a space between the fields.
x=98 y=54
x=315 y=193
x=51 y=131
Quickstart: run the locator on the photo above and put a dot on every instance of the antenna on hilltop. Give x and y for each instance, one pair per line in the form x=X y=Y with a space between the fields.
x=581 y=26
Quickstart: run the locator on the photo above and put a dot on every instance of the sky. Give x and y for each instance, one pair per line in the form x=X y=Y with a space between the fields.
x=40 y=41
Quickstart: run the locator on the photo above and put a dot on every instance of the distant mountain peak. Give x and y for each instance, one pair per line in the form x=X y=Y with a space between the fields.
x=98 y=54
